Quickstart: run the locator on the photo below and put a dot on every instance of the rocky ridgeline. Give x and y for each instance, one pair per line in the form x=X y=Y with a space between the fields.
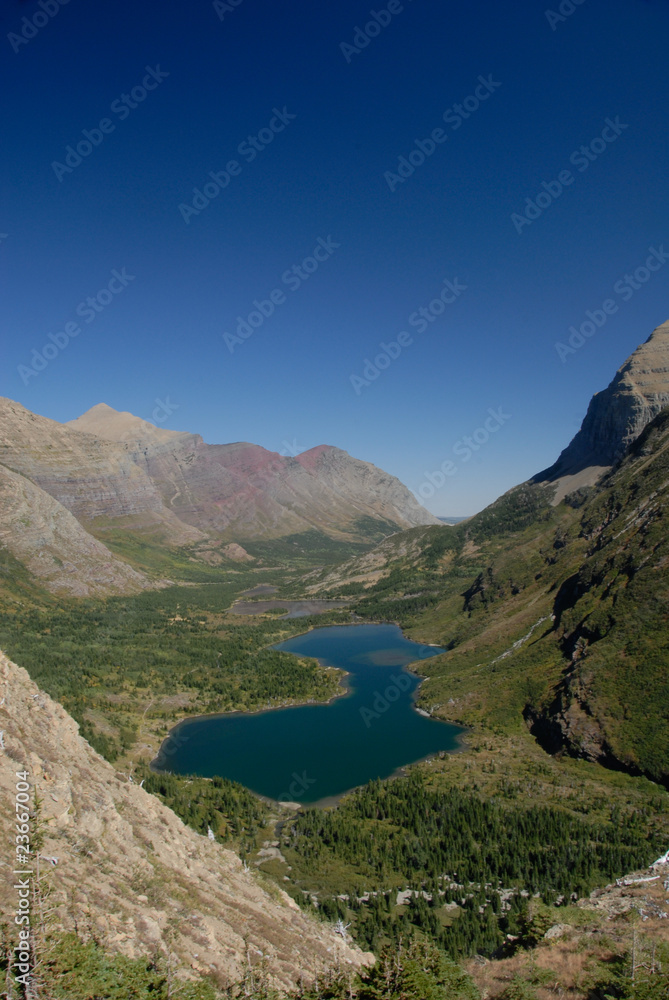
x=246 y=491
x=617 y=416
x=124 y=868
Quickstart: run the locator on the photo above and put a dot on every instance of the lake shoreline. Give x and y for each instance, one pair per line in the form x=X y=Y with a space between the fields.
x=322 y=662
x=344 y=690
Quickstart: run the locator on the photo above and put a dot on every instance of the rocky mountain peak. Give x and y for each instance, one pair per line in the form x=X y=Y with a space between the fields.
x=617 y=415
x=114 y=425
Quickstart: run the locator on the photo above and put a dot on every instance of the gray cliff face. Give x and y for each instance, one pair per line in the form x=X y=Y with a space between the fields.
x=618 y=415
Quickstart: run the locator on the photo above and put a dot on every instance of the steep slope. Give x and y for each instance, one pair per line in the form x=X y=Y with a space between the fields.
x=49 y=541
x=611 y=621
x=128 y=872
x=243 y=492
x=616 y=416
x=365 y=486
x=96 y=480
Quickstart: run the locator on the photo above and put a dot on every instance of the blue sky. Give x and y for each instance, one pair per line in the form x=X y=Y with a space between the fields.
x=331 y=126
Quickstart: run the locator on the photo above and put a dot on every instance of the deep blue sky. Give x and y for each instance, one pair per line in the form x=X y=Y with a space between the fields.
x=323 y=176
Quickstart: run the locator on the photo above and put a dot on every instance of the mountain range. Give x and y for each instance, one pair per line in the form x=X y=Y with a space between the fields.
x=80 y=501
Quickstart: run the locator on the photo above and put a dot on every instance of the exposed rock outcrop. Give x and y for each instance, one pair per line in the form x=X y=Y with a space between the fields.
x=237 y=553
x=569 y=724
x=129 y=871
x=617 y=415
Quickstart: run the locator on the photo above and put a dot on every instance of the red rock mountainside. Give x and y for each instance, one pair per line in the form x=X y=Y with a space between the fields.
x=129 y=871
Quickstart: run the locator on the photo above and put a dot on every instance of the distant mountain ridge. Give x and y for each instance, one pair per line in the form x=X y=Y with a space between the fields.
x=114 y=472
x=252 y=492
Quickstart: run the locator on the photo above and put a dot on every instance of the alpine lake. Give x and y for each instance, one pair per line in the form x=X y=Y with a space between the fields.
x=312 y=754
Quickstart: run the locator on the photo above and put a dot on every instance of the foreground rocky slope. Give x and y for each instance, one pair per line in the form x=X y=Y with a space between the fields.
x=128 y=872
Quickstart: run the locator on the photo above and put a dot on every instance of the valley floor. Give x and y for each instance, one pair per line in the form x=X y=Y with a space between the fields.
x=129 y=669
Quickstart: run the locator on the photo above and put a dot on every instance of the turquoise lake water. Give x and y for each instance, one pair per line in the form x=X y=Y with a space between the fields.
x=316 y=752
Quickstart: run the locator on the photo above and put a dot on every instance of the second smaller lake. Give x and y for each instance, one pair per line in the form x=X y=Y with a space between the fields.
x=291 y=609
